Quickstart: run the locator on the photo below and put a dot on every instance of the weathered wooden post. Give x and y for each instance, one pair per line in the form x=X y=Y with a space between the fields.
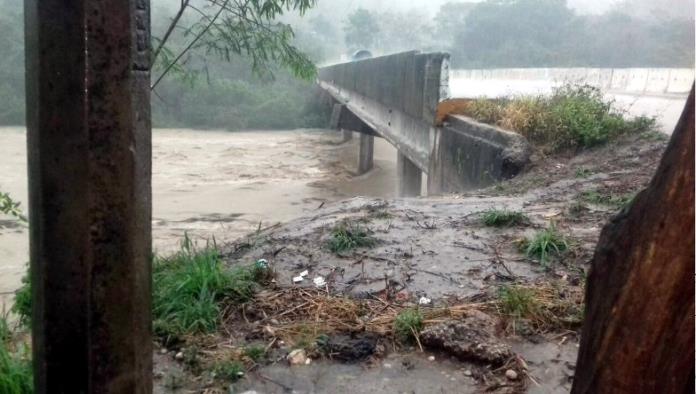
x=88 y=121
x=638 y=335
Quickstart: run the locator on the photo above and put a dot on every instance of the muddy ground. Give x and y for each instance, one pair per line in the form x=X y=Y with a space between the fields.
x=435 y=254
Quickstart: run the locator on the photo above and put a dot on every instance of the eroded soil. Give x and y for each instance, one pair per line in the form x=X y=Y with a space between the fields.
x=435 y=252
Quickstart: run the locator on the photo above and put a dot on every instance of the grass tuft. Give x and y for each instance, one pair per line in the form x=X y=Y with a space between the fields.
x=504 y=218
x=229 y=370
x=346 y=237
x=15 y=365
x=190 y=286
x=255 y=353
x=615 y=201
x=545 y=307
x=545 y=244
x=408 y=324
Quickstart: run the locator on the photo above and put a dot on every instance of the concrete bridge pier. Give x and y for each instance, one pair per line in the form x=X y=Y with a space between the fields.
x=367 y=151
x=335 y=122
x=409 y=176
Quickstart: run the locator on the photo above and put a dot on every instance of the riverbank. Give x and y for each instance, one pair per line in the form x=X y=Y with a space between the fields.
x=500 y=299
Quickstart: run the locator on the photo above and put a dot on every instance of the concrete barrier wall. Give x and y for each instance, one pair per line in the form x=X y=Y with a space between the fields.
x=638 y=81
x=469 y=155
x=398 y=97
x=395 y=95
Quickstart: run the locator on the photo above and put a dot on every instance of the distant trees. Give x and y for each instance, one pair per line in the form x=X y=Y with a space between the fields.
x=536 y=33
x=361 y=30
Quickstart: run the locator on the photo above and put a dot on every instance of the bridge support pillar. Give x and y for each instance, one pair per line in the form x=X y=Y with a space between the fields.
x=367 y=149
x=89 y=154
x=409 y=176
x=347 y=135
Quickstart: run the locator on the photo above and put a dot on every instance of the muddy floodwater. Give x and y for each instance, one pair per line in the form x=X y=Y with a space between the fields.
x=217 y=183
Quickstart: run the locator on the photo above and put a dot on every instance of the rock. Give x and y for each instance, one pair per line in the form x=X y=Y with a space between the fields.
x=511 y=374
x=469 y=339
x=467 y=372
x=431 y=358
x=298 y=357
x=163 y=351
x=179 y=356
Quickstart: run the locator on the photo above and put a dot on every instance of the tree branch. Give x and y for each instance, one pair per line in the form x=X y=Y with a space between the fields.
x=170 y=29
x=195 y=40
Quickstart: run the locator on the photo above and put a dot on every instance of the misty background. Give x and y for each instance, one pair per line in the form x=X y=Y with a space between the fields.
x=218 y=94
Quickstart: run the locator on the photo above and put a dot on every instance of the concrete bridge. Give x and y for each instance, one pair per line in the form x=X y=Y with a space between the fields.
x=406 y=98
x=403 y=99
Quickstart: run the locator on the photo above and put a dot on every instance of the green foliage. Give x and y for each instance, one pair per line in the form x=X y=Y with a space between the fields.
x=225 y=29
x=190 y=286
x=229 y=370
x=504 y=218
x=608 y=199
x=547 y=33
x=23 y=301
x=545 y=244
x=256 y=353
x=15 y=365
x=10 y=207
x=517 y=301
x=348 y=236
x=408 y=324
x=574 y=116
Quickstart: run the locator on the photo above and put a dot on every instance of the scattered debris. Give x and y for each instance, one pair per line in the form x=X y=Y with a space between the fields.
x=298 y=357
x=319 y=281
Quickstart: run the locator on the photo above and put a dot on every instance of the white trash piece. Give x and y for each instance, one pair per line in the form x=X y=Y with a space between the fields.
x=424 y=301
x=319 y=281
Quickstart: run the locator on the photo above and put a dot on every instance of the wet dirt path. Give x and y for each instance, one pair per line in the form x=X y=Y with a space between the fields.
x=216 y=183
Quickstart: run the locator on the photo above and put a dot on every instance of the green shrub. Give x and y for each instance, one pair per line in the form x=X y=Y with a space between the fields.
x=229 y=370
x=574 y=116
x=346 y=237
x=22 y=302
x=408 y=324
x=504 y=218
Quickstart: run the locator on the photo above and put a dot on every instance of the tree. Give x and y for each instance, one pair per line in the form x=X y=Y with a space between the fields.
x=361 y=30
x=224 y=28
x=638 y=333
x=451 y=18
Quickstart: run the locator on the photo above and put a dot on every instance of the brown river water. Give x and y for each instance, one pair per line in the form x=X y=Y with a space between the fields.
x=216 y=183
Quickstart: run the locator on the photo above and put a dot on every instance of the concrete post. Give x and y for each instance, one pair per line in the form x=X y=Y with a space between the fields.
x=347 y=135
x=409 y=176
x=367 y=148
x=89 y=154
x=335 y=121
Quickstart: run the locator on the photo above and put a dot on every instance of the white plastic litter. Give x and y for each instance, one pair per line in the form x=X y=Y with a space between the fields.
x=319 y=281
x=304 y=273
x=297 y=279
x=424 y=301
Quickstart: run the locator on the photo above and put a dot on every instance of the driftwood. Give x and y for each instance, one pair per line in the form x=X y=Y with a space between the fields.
x=638 y=335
